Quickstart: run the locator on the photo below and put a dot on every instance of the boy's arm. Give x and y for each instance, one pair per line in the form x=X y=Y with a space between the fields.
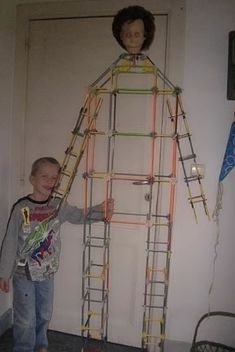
x=9 y=248
x=99 y=212
x=102 y=211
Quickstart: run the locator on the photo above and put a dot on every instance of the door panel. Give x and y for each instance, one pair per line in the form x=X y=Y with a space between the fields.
x=65 y=56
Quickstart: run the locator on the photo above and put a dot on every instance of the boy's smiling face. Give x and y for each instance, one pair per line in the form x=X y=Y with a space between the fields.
x=132 y=36
x=44 y=181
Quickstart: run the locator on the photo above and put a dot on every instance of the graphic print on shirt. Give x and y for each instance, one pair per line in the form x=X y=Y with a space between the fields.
x=43 y=250
x=25 y=215
x=26 y=220
x=39 y=244
x=44 y=247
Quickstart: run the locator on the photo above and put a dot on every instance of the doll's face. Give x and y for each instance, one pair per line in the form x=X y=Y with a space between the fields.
x=132 y=36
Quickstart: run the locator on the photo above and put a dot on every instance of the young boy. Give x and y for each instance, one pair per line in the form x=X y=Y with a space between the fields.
x=30 y=254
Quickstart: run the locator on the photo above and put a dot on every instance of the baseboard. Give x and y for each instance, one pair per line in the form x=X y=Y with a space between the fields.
x=5 y=321
x=176 y=346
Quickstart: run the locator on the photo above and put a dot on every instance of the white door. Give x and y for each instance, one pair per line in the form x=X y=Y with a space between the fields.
x=65 y=55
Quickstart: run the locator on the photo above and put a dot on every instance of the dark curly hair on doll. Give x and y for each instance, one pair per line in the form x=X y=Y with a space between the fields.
x=130 y=14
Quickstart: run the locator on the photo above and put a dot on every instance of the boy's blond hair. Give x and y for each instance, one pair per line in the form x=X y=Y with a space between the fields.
x=41 y=161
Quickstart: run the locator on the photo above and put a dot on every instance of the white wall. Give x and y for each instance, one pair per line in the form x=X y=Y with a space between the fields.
x=210 y=114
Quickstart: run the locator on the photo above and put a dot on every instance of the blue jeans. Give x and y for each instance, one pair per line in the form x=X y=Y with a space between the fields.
x=32 y=310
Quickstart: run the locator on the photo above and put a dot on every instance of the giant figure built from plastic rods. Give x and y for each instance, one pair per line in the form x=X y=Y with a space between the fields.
x=149 y=137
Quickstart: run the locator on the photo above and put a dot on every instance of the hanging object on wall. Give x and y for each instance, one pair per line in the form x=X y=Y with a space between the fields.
x=227 y=165
x=231 y=66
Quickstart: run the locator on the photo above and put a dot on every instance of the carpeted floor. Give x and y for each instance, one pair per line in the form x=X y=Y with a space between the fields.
x=61 y=342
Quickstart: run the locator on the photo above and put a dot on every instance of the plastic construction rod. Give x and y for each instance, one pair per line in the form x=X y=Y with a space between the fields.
x=140 y=70
x=79 y=157
x=136 y=179
x=149 y=67
x=163 y=77
x=103 y=274
x=87 y=328
x=127 y=222
x=89 y=289
x=154 y=118
x=131 y=134
x=134 y=91
x=150 y=255
x=109 y=85
x=155 y=337
x=139 y=134
x=109 y=70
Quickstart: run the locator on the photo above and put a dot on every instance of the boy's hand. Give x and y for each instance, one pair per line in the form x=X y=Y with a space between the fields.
x=4 y=285
x=107 y=208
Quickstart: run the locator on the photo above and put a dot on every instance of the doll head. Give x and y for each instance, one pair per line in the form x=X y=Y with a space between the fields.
x=133 y=27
